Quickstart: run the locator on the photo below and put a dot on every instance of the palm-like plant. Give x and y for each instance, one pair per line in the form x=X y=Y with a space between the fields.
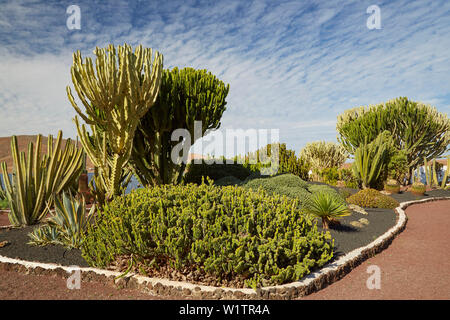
x=324 y=205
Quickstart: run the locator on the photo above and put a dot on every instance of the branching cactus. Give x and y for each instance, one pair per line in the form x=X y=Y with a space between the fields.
x=116 y=95
x=35 y=179
x=186 y=96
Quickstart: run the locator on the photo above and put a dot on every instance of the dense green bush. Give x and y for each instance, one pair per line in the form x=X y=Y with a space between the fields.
x=225 y=232
x=323 y=155
x=328 y=175
x=4 y=204
x=227 y=181
x=398 y=166
x=196 y=172
x=371 y=198
x=346 y=192
x=348 y=177
x=288 y=162
x=291 y=186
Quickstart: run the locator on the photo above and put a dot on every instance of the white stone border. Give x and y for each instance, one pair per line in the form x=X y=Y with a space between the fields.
x=315 y=281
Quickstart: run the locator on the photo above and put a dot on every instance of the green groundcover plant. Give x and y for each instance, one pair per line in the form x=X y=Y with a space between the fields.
x=292 y=186
x=225 y=232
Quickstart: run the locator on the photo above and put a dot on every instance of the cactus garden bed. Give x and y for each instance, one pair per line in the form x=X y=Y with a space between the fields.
x=355 y=231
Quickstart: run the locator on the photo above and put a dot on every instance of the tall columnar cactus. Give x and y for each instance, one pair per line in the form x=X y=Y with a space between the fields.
x=186 y=96
x=417 y=129
x=431 y=173
x=444 y=178
x=35 y=179
x=116 y=95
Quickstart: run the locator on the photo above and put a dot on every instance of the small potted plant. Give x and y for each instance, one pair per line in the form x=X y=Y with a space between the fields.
x=418 y=188
x=392 y=186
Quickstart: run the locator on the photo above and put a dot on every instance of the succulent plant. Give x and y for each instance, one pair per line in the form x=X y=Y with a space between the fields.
x=418 y=129
x=186 y=96
x=325 y=206
x=36 y=180
x=392 y=186
x=418 y=188
x=115 y=98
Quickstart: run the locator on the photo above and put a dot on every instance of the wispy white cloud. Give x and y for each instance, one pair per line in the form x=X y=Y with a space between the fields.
x=291 y=65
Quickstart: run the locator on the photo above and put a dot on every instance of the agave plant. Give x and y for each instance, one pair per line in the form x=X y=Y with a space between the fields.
x=45 y=235
x=324 y=205
x=66 y=225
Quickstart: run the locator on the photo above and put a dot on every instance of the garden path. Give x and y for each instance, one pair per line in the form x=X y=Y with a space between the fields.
x=415 y=266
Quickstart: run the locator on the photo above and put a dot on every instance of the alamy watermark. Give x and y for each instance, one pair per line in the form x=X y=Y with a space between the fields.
x=374 y=280
x=240 y=141
x=74 y=280
x=73 y=22
x=374 y=21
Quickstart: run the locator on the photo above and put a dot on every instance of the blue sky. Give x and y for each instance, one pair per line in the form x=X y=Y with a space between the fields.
x=291 y=65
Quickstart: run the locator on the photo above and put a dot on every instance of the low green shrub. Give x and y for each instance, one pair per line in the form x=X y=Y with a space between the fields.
x=348 y=177
x=227 y=181
x=328 y=175
x=285 y=184
x=224 y=232
x=4 y=204
x=346 y=192
x=371 y=198
x=196 y=172
x=291 y=186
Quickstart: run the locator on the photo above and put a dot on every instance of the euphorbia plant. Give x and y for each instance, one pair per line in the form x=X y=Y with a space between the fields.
x=116 y=94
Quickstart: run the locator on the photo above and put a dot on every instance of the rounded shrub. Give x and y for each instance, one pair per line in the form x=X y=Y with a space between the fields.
x=292 y=186
x=371 y=198
x=418 y=188
x=392 y=186
x=223 y=232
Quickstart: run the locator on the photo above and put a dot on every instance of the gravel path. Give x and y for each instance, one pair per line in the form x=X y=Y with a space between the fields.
x=18 y=286
x=414 y=266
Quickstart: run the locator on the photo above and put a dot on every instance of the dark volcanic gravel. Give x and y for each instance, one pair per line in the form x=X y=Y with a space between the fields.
x=347 y=238
x=18 y=248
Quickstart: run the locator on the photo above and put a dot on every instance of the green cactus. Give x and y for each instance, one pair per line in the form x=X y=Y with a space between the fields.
x=115 y=98
x=444 y=178
x=431 y=173
x=417 y=129
x=35 y=180
x=370 y=160
x=186 y=96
